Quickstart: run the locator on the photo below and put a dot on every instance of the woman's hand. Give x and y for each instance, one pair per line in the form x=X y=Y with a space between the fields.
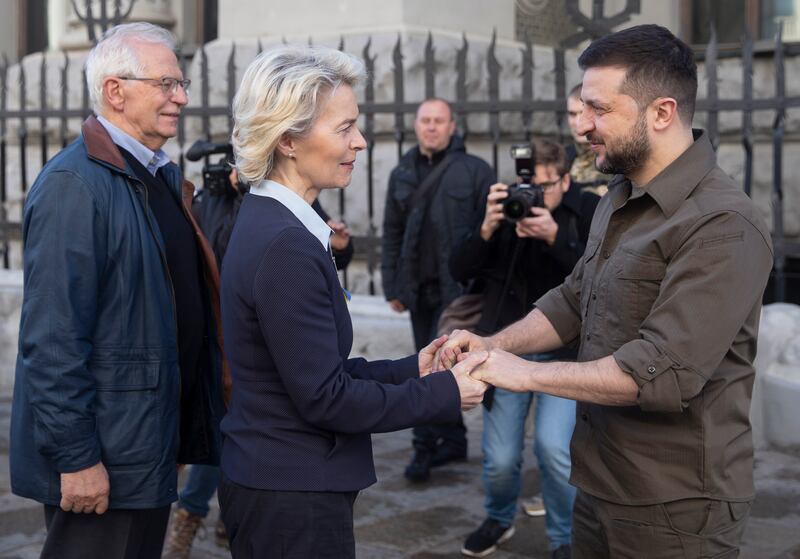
x=494 y=210
x=427 y=356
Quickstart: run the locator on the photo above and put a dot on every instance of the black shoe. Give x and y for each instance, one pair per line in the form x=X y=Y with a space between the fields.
x=448 y=453
x=484 y=540
x=419 y=470
x=562 y=552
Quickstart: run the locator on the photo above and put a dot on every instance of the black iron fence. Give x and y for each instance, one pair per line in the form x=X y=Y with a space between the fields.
x=54 y=123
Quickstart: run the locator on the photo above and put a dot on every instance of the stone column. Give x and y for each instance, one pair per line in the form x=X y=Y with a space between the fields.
x=159 y=12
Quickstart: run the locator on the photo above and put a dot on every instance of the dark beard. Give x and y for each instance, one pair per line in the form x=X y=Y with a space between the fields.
x=631 y=153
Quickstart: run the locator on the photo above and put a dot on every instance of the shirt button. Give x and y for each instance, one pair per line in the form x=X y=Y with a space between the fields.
x=588 y=337
x=651 y=370
x=606 y=254
x=594 y=296
x=585 y=416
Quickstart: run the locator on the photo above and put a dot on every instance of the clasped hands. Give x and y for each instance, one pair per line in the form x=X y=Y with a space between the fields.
x=475 y=364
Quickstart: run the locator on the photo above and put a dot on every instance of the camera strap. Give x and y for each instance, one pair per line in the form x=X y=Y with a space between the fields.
x=426 y=188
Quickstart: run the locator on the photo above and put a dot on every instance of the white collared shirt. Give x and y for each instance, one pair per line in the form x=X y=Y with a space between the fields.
x=299 y=207
x=152 y=160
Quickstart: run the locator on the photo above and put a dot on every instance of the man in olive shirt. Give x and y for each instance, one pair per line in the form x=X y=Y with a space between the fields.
x=665 y=304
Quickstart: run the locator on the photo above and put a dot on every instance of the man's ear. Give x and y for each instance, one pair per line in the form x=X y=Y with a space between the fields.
x=665 y=110
x=113 y=93
x=566 y=181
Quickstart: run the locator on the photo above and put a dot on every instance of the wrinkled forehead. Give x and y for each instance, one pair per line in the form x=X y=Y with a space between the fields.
x=158 y=60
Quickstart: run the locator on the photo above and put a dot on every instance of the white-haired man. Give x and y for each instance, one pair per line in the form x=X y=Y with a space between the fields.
x=119 y=368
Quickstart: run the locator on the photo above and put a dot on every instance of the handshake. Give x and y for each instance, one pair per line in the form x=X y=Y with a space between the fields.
x=470 y=358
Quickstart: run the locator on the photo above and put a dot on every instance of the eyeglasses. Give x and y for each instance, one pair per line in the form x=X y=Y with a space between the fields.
x=169 y=86
x=548 y=186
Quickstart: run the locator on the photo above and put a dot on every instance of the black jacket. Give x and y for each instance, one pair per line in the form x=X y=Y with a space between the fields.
x=454 y=207
x=537 y=266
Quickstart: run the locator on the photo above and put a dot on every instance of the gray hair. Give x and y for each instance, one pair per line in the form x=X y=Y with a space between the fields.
x=279 y=94
x=115 y=55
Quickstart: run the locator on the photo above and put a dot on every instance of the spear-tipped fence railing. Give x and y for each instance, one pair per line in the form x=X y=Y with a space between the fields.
x=17 y=140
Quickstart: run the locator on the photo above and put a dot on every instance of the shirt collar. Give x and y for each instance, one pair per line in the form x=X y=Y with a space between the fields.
x=299 y=207
x=677 y=181
x=152 y=160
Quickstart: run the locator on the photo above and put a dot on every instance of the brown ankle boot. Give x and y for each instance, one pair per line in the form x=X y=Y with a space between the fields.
x=183 y=529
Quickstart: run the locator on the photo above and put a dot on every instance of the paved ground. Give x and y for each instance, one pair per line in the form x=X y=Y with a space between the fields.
x=397 y=520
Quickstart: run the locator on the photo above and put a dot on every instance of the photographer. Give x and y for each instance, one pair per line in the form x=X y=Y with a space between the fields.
x=518 y=260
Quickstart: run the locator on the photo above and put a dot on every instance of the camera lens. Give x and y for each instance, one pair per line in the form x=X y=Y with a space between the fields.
x=514 y=210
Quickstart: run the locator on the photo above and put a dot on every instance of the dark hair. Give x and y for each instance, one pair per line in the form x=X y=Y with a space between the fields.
x=657 y=64
x=575 y=91
x=547 y=152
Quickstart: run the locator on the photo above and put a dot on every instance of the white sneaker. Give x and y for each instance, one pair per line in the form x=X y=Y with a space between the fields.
x=534 y=506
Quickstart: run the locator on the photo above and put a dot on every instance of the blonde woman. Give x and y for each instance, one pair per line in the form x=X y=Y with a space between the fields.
x=297 y=435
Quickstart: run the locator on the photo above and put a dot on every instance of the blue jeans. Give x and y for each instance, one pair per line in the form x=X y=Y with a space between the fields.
x=503 y=442
x=199 y=488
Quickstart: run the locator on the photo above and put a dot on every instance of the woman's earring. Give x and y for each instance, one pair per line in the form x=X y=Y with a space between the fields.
x=291 y=155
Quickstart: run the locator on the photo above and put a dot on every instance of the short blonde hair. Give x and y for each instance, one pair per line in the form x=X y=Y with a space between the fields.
x=115 y=55
x=280 y=94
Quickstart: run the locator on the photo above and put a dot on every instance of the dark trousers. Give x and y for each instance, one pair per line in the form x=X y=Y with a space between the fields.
x=424 y=320
x=115 y=534
x=688 y=528
x=287 y=524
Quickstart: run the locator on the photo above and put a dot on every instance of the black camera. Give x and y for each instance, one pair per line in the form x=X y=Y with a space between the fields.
x=215 y=175
x=525 y=195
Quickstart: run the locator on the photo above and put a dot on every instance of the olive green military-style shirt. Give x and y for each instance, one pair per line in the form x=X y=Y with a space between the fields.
x=670 y=285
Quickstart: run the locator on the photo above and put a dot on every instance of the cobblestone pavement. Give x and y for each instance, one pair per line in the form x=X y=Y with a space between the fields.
x=397 y=520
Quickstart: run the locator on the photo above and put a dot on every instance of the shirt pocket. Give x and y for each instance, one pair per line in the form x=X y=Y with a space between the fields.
x=638 y=283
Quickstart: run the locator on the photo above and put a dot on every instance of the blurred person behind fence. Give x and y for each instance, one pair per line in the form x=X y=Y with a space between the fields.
x=120 y=352
x=518 y=262
x=297 y=447
x=665 y=305
x=585 y=174
x=435 y=195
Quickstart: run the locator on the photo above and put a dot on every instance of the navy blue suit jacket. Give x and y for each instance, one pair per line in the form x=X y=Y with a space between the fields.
x=301 y=411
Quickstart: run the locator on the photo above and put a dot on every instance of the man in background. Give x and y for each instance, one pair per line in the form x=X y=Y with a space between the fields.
x=585 y=175
x=435 y=196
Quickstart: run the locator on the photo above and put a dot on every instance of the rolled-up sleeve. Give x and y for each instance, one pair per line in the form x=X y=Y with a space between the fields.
x=713 y=282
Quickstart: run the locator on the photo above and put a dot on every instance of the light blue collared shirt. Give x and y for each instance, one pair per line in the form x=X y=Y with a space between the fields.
x=299 y=207
x=152 y=160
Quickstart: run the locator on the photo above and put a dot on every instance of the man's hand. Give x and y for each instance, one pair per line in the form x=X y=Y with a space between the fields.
x=470 y=390
x=341 y=235
x=459 y=341
x=86 y=490
x=427 y=357
x=396 y=305
x=505 y=370
x=541 y=226
x=494 y=210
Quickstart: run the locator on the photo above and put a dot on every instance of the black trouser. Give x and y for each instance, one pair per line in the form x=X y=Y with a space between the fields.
x=424 y=320
x=287 y=524
x=115 y=534
x=685 y=529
